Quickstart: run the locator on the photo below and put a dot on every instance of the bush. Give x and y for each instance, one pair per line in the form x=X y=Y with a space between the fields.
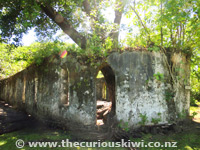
x=14 y=59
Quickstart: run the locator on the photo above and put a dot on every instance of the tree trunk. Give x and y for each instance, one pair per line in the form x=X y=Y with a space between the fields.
x=65 y=25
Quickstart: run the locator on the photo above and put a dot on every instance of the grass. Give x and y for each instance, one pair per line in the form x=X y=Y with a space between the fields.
x=188 y=139
x=7 y=141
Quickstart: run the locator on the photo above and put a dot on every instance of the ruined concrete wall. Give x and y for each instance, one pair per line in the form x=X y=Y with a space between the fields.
x=39 y=91
x=63 y=91
x=143 y=86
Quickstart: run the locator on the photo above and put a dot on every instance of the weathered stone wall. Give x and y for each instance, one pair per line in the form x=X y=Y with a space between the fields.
x=39 y=91
x=63 y=91
x=140 y=94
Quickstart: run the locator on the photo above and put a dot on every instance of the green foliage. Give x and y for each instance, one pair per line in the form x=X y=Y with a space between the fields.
x=194 y=114
x=123 y=125
x=151 y=24
x=42 y=50
x=154 y=48
x=95 y=45
x=156 y=120
x=85 y=22
x=11 y=63
x=164 y=23
x=195 y=78
x=15 y=59
x=108 y=44
x=159 y=76
x=143 y=119
x=97 y=48
x=193 y=101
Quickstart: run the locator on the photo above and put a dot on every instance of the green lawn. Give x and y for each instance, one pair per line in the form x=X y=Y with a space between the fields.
x=188 y=139
x=7 y=141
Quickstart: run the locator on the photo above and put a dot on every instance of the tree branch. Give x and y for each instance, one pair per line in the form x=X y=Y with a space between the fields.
x=65 y=25
x=118 y=16
x=87 y=7
x=140 y=21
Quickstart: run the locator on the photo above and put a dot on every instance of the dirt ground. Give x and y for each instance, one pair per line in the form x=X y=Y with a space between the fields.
x=11 y=119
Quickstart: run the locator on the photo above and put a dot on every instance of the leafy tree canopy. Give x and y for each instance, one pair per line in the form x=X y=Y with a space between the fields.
x=79 y=19
x=165 y=23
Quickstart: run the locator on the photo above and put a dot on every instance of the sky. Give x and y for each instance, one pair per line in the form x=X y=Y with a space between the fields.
x=29 y=38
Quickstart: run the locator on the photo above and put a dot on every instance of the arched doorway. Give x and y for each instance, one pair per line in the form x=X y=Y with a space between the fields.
x=105 y=94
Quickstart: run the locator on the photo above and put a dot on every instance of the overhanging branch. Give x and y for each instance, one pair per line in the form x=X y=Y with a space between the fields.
x=65 y=25
x=87 y=7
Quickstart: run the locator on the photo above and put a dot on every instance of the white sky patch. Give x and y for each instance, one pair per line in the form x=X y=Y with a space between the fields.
x=109 y=14
x=29 y=38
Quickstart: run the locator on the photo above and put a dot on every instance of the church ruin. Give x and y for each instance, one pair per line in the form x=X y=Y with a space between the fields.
x=137 y=87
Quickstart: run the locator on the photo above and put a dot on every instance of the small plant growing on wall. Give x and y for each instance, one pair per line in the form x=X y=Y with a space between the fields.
x=156 y=120
x=159 y=76
x=154 y=49
x=143 y=119
x=123 y=126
